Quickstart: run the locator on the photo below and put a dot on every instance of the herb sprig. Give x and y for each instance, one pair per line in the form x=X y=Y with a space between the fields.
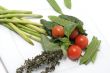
x=48 y=58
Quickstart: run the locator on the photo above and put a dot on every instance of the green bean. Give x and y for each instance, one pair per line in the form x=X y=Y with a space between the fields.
x=91 y=49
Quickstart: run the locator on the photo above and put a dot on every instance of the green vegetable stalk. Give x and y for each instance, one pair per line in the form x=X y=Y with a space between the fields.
x=33 y=37
x=32 y=31
x=22 y=34
x=15 y=12
x=28 y=30
x=16 y=29
x=30 y=34
x=2 y=8
x=20 y=15
x=41 y=30
x=18 y=21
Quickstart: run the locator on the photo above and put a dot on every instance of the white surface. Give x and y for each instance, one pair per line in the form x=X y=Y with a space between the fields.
x=2 y=70
x=94 y=13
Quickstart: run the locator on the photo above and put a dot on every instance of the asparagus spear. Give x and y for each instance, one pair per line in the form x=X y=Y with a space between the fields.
x=15 y=12
x=22 y=34
x=2 y=8
x=11 y=26
x=41 y=30
x=20 y=15
x=33 y=37
x=28 y=30
x=20 y=21
x=34 y=27
x=26 y=33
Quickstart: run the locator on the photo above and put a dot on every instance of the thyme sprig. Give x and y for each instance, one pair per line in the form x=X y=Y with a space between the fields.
x=48 y=59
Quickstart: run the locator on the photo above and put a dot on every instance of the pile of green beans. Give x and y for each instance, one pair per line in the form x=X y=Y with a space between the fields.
x=16 y=21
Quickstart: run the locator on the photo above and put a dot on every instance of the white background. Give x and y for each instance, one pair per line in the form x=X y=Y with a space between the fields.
x=94 y=13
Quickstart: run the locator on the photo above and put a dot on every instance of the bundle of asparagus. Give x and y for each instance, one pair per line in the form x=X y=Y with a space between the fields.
x=15 y=21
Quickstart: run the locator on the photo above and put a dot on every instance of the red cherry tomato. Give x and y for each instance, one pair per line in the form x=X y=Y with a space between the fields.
x=74 y=52
x=57 y=31
x=81 y=41
x=74 y=34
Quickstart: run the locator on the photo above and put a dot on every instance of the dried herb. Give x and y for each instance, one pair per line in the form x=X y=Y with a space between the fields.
x=49 y=58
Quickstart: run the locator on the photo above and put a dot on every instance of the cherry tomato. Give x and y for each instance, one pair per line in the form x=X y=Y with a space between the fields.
x=74 y=52
x=81 y=41
x=74 y=34
x=57 y=31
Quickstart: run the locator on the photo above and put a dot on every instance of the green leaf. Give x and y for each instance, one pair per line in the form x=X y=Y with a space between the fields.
x=55 y=6
x=67 y=3
x=71 y=18
x=68 y=25
x=47 y=45
x=60 y=21
x=64 y=51
x=75 y=20
x=68 y=29
x=48 y=24
x=65 y=42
